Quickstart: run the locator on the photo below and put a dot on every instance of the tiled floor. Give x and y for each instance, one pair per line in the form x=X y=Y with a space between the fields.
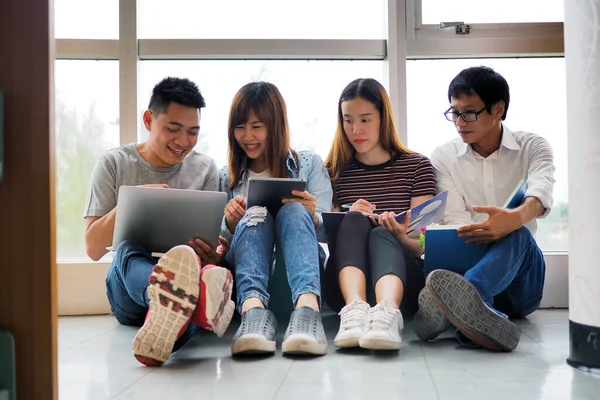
x=95 y=362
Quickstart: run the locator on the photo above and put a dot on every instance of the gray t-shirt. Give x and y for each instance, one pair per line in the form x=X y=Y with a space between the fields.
x=125 y=166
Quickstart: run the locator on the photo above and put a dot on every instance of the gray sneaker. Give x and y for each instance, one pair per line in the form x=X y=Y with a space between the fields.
x=429 y=321
x=256 y=334
x=461 y=303
x=305 y=334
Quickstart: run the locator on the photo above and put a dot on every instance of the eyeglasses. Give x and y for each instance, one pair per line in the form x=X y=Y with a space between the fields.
x=470 y=116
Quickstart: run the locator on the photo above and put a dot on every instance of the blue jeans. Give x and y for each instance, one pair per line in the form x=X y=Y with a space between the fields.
x=126 y=284
x=510 y=277
x=251 y=252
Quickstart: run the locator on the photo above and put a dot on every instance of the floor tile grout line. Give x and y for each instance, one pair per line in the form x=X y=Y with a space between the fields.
x=68 y=348
x=437 y=392
x=87 y=340
x=283 y=380
x=133 y=383
x=533 y=340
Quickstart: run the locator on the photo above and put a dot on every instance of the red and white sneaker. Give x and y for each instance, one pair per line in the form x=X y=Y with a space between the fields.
x=173 y=291
x=215 y=308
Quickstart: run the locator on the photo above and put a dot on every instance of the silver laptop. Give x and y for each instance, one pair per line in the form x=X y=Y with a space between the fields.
x=159 y=219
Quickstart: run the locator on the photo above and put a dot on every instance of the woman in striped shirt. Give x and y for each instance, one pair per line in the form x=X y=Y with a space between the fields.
x=375 y=178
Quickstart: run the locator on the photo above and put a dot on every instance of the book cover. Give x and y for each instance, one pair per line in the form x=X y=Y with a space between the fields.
x=517 y=196
x=445 y=250
x=429 y=212
x=332 y=221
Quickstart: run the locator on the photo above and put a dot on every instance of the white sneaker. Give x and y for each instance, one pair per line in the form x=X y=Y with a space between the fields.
x=384 y=327
x=352 y=323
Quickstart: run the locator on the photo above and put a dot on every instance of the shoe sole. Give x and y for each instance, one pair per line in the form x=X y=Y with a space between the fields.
x=429 y=321
x=460 y=302
x=252 y=344
x=301 y=344
x=346 y=343
x=379 y=344
x=173 y=293
x=217 y=284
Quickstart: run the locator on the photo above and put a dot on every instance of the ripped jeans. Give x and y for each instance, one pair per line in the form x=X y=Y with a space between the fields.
x=251 y=252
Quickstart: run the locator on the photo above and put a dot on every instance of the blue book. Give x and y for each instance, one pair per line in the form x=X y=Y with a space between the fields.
x=517 y=196
x=445 y=250
x=427 y=213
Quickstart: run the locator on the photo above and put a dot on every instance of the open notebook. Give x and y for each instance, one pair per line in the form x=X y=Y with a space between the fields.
x=426 y=213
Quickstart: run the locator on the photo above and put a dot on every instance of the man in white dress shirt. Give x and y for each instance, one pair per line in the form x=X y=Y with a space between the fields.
x=480 y=169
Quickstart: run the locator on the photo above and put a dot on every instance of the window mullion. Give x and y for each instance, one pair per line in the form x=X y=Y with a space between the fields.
x=128 y=70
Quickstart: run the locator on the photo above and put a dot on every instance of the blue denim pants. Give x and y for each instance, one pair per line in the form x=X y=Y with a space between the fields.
x=292 y=230
x=126 y=284
x=510 y=277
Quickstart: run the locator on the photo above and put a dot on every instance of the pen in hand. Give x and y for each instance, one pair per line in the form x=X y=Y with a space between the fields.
x=348 y=206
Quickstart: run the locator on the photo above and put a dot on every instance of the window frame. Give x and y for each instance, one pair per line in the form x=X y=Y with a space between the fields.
x=535 y=39
x=407 y=38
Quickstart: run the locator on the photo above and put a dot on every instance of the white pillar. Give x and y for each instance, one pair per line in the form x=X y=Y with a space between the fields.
x=582 y=57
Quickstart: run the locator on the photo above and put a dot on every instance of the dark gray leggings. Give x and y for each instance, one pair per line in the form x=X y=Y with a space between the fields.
x=376 y=252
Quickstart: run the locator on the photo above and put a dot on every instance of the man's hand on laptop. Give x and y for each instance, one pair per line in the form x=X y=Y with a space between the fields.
x=156 y=185
x=500 y=223
x=234 y=211
x=207 y=254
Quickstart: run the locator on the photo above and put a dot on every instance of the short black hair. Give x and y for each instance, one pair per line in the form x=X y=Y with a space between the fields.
x=175 y=90
x=490 y=86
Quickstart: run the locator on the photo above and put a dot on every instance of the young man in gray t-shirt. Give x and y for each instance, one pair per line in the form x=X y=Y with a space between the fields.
x=170 y=298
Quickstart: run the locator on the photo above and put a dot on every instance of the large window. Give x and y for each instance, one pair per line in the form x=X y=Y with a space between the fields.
x=262 y=19
x=87 y=123
x=311 y=50
x=478 y=11
x=537 y=104
x=311 y=90
x=88 y=92
x=86 y=19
